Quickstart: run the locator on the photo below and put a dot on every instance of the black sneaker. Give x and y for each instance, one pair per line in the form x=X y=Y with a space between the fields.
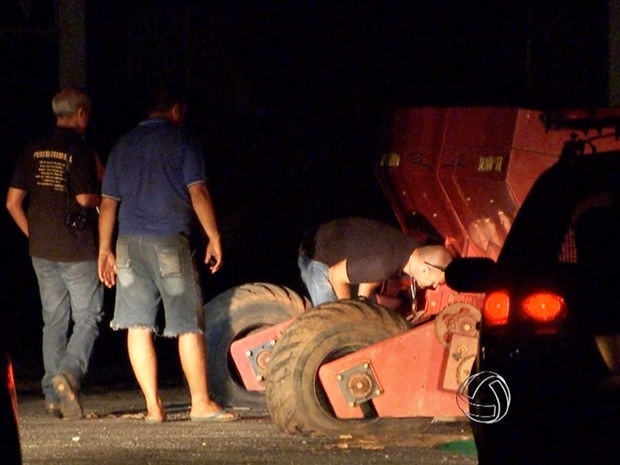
x=69 y=403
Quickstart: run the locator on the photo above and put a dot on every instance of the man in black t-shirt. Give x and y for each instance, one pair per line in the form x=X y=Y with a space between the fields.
x=57 y=175
x=364 y=252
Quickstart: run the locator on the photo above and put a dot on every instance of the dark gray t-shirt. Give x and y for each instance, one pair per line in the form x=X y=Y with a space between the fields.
x=375 y=251
x=53 y=169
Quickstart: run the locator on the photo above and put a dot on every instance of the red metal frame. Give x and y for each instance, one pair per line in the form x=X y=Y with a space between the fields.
x=251 y=353
x=460 y=174
x=410 y=369
x=466 y=172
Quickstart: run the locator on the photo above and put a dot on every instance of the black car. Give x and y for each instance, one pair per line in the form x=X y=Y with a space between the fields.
x=545 y=388
x=10 y=451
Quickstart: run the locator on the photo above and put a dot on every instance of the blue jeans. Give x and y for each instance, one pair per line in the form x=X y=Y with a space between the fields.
x=314 y=274
x=70 y=291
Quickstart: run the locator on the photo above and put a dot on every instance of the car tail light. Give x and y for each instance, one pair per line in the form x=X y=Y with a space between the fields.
x=540 y=307
x=496 y=308
x=543 y=307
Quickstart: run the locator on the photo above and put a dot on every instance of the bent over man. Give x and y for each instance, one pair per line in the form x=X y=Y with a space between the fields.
x=57 y=173
x=365 y=252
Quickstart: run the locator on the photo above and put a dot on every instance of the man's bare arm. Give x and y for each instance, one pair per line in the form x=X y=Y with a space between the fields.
x=15 y=205
x=339 y=279
x=366 y=289
x=88 y=200
x=106 y=263
x=203 y=206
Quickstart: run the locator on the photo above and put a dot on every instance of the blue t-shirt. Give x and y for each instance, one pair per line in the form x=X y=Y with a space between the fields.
x=149 y=171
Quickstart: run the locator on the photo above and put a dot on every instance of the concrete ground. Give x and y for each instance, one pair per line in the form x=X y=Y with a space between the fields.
x=114 y=433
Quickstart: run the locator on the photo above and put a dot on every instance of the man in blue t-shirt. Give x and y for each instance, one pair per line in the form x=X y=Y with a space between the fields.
x=155 y=178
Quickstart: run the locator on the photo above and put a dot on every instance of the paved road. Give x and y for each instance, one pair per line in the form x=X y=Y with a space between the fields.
x=113 y=434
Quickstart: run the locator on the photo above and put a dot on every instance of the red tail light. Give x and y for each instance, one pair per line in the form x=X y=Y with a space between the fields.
x=543 y=307
x=496 y=308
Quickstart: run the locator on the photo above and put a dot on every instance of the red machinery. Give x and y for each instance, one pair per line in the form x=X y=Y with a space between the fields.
x=453 y=175
x=466 y=170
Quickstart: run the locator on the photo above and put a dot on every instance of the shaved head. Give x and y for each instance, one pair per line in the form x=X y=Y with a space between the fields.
x=436 y=255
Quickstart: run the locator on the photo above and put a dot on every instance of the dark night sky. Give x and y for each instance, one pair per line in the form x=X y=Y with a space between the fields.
x=290 y=98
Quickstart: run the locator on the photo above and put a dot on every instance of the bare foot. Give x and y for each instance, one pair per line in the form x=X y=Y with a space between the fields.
x=156 y=411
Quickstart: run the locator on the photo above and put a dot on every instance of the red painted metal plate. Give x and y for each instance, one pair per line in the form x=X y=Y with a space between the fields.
x=409 y=370
x=240 y=347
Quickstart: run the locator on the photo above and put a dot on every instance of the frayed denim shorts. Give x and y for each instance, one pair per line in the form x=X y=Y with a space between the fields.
x=153 y=272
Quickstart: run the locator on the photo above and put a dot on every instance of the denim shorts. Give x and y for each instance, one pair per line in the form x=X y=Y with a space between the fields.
x=152 y=271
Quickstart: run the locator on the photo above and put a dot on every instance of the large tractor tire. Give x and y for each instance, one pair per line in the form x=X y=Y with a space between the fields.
x=295 y=399
x=235 y=314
